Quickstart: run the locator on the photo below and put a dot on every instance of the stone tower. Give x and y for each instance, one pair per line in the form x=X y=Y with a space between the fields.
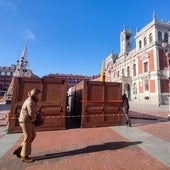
x=125 y=41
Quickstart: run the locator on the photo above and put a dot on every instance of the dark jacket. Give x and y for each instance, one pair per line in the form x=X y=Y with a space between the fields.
x=125 y=102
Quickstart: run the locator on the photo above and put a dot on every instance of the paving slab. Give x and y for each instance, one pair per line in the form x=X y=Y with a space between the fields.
x=156 y=147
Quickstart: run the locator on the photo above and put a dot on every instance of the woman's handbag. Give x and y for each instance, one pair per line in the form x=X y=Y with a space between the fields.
x=39 y=120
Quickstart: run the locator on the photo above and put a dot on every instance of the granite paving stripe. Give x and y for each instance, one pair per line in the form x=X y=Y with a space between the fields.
x=155 y=146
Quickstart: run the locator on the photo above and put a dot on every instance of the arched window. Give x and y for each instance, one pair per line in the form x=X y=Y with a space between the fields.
x=134 y=69
x=159 y=36
x=128 y=71
x=145 y=41
x=150 y=38
x=140 y=44
x=123 y=73
x=165 y=37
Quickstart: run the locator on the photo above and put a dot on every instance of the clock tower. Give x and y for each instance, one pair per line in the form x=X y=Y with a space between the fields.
x=125 y=41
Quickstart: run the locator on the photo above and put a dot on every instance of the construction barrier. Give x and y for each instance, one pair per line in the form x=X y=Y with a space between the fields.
x=89 y=103
x=97 y=103
x=52 y=102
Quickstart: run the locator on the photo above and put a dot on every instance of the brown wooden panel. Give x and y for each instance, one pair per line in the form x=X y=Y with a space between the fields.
x=98 y=103
x=52 y=102
x=51 y=110
x=94 y=109
x=26 y=85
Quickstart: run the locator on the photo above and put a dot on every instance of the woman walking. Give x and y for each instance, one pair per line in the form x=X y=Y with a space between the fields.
x=27 y=118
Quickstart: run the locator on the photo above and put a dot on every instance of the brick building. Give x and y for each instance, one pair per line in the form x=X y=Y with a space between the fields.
x=6 y=74
x=72 y=79
x=143 y=71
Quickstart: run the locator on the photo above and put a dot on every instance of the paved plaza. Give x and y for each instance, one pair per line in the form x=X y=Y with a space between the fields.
x=145 y=145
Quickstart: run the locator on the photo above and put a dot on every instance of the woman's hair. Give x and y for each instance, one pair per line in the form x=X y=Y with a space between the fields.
x=33 y=92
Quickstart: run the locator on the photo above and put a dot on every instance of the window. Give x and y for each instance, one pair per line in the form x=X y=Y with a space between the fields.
x=159 y=36
x=145 y=66
x=146 y=85
x=8 y=73
x=146 y=98
x=114 y=75
x=118 y=74
x=134 y=88
x=145 y=41
x=165 y=37
x=150 y=38
x=140 y=44
x=128 y=71
x=2 y=73
x=123 y=73
x=134 y=69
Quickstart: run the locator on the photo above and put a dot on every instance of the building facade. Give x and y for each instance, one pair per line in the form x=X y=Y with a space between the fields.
x=6 y=74
x=72 y=79
x=145 y=70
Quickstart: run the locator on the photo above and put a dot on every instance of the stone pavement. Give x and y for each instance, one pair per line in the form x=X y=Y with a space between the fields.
x=148 y=111
x=145 y=146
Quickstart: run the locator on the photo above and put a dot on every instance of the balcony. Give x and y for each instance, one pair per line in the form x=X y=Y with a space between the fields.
x=145 y=75
x=125 y=78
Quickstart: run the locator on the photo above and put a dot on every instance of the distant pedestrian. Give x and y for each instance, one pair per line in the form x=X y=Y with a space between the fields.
x=27 y=118
x=125 y=107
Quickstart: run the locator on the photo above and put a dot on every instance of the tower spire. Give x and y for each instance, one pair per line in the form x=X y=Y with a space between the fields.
x=22 y=66
x=21 y=70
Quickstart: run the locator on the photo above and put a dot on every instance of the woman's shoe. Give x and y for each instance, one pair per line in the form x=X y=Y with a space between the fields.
x=26 y=159
x=17 y=152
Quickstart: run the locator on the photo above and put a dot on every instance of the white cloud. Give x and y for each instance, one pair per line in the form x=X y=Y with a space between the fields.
x=8 y=4
x=29 y=35
x=11 y=6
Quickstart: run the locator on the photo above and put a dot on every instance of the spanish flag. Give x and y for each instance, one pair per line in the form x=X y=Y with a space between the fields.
x=102 y=72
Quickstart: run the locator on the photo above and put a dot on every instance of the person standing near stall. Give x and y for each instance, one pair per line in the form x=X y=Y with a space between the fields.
x=125 y=107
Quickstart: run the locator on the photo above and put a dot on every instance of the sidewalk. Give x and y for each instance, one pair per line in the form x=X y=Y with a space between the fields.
x=148 y=111
x=145 y=146
x=150 y=107
x=108 y=148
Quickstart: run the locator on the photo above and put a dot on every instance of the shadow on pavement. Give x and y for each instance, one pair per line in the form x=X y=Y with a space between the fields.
x=88 y=149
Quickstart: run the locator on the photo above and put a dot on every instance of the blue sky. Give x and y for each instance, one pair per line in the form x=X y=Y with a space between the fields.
x=70 y=36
